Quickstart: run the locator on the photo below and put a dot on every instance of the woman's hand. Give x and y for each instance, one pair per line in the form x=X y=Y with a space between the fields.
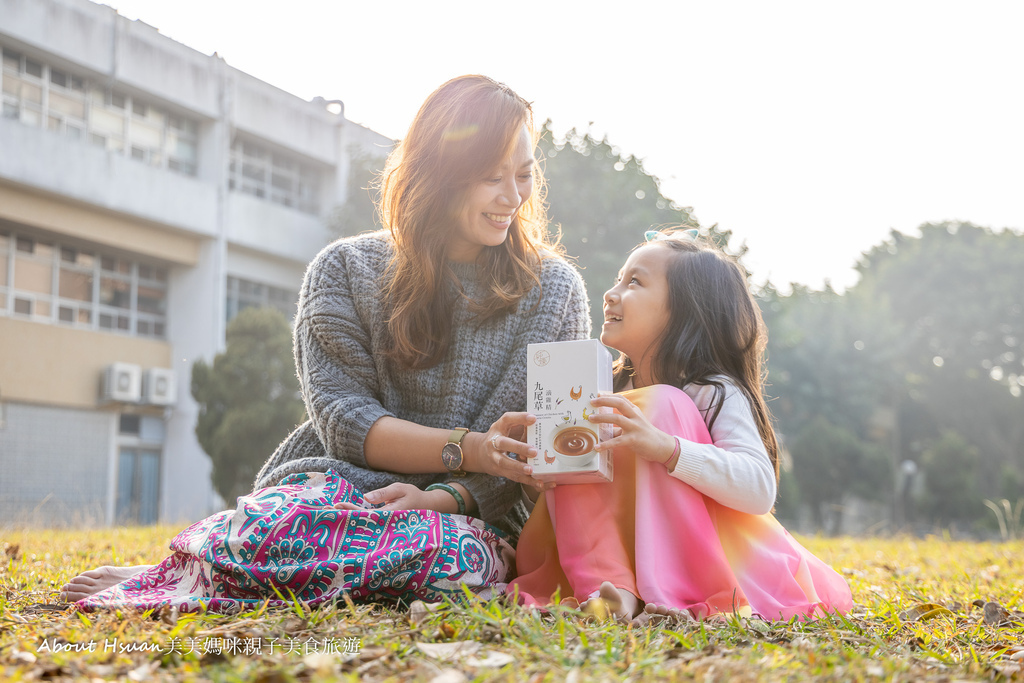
x=501 y=452
x=635 y=432
x=400 y=496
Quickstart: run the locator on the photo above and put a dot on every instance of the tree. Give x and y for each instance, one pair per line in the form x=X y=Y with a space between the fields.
x=825 y=383
x=828 y=463
x=359 y=212
x=603 y=201
x=248 y=400
x=822 y=361
x=949 y=465
x=953 y=302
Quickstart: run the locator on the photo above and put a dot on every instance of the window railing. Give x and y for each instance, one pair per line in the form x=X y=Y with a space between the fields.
x=40 y=95
x=60 y=284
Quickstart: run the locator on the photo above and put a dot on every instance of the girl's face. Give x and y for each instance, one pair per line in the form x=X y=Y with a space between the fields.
x=491 y=204
x=636 y=309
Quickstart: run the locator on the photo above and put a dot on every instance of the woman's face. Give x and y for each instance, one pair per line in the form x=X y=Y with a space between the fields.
x=492 y=203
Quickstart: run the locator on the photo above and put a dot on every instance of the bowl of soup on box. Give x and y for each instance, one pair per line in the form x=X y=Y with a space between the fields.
x=561 y=379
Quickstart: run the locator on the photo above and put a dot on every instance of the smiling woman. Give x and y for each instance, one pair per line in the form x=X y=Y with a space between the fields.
x=410 y=344
x=491 y=205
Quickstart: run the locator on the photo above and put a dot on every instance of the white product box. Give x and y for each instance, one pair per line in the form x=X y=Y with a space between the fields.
x=561 y=378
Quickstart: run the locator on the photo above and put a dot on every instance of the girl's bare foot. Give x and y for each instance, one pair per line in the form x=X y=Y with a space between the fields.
x=654 y=613
x=95 y=580
x=613 y=602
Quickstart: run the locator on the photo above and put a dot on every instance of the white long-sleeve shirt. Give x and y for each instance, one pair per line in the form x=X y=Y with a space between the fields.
x=734 y=469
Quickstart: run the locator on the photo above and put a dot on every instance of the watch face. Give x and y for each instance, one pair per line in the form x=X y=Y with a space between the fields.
x=451 y=456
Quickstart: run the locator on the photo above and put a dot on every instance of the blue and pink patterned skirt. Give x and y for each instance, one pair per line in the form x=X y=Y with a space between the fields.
x=288 y=542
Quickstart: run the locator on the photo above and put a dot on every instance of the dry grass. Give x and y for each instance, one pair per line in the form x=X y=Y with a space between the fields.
x=929 y=609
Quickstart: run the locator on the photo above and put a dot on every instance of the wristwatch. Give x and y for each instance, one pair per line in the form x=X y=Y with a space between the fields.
x=451 y=453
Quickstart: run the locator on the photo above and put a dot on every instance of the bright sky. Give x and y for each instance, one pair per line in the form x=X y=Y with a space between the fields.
x=809 y=129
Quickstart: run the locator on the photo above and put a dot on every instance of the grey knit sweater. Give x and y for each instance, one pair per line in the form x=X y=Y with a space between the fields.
x=348 y=384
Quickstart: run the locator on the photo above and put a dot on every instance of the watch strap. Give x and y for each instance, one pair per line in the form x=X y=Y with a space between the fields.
x=457 y=435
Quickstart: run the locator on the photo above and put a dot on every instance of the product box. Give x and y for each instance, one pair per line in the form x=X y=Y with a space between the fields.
x=561 y=378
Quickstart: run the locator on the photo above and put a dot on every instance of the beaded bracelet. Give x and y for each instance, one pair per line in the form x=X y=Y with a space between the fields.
x=455 y=494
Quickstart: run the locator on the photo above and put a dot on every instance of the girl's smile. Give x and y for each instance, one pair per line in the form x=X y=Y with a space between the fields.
x=636 y=309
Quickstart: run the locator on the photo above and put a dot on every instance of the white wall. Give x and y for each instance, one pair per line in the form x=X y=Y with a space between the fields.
x=53 y=163
x=239 y=234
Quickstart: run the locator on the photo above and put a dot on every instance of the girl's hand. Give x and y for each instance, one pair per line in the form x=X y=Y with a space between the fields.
x=400 y=496
x=635 y=432
x=501 y=451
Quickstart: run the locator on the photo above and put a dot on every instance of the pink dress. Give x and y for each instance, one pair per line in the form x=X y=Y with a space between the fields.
x=657 y=537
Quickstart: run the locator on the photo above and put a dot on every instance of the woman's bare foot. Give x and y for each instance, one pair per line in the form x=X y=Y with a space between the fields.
x=612 y=602
x=95 y=580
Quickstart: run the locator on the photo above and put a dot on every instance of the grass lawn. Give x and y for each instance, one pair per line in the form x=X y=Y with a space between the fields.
x=928 y=609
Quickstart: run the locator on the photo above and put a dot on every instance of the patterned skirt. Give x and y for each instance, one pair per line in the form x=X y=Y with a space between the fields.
x=288 y=542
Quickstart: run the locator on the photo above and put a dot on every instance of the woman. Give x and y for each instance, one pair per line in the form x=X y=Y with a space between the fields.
x=410 y=344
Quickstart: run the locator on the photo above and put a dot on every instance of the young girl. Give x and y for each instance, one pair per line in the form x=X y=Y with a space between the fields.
x=685 y=528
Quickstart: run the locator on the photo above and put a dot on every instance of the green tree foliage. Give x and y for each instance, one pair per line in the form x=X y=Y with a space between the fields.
x=952 y=301
x=359 y=212
x=823 y=386
x=830 y=462
x=603 y=201
x=819 y=362
x=931 y=340
x=248 y=399
x=949 y=465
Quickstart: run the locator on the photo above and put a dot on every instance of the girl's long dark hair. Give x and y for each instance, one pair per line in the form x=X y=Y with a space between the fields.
x=715 y=328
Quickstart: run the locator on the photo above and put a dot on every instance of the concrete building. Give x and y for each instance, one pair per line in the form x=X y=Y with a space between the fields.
x=147 y=193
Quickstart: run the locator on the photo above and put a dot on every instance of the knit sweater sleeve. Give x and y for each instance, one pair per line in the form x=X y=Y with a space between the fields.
x=734 y=469
x=561 y=314
x=333 y=352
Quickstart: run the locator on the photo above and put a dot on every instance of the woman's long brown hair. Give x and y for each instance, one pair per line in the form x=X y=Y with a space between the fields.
x=715 y=328
x=463 y=131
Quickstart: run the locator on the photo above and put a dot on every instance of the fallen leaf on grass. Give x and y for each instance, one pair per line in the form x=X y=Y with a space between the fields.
x=469 y=651
x=458 y=648
x=293 y=625
x=321 y=663
x=924 y=611
x=1010 y=671
x=46 y=607
x=449 y=676
x=144 y=672
x=169 y=615
x=989 y=573
x=273 y=676
x=490 y=660
x=997 y=615
x=419 y=611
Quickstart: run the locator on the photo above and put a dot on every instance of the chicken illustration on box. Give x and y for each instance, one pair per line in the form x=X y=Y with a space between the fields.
x=559 y=376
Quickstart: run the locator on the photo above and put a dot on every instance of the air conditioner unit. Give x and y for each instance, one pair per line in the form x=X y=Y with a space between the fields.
x=159 y=387
x=122 y=383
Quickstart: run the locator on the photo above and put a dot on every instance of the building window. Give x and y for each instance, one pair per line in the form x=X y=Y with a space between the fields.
x=65 y=285
x=280 y=178
x=138 y=486
x=38 y=94
x=244 y=294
